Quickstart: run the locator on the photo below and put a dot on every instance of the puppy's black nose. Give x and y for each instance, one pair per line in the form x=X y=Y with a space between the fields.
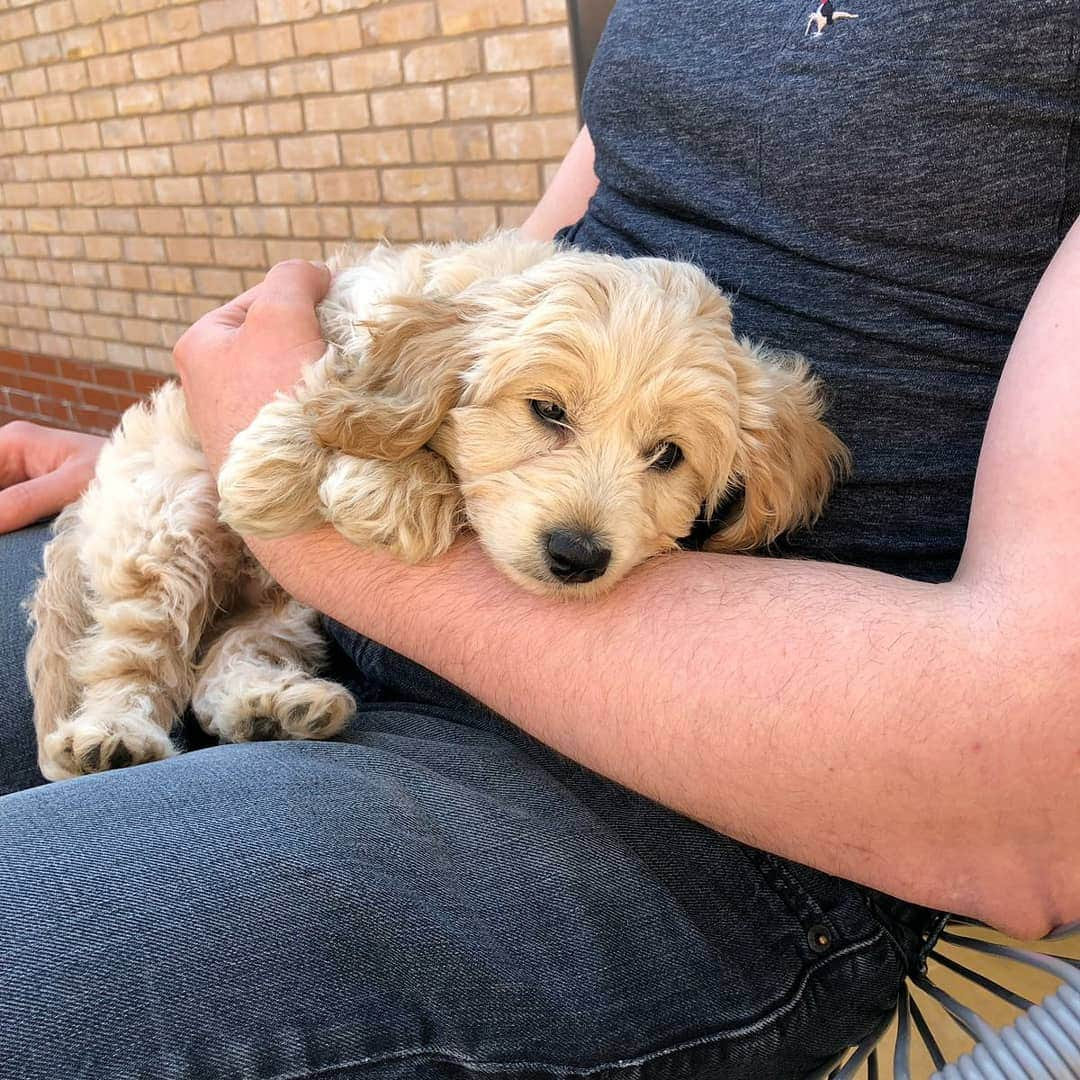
x=576 y=557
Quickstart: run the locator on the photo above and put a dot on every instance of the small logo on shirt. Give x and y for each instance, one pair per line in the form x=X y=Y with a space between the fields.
x=824 y=15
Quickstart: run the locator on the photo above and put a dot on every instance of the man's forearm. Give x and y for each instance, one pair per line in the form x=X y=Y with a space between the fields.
x=854 y=721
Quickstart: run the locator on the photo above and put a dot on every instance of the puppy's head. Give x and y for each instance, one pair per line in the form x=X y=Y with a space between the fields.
x=590 y=407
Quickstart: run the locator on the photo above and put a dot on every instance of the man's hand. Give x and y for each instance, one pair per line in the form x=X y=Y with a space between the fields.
x=42 y=469
x=234 y=358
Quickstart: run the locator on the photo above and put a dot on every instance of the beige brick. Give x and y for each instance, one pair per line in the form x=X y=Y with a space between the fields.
x=345 y=112
x=65 y=322
x=226 y=283
x=126 y=34
x=187 y=92
x=133 y=192
x=73 y=76
x=94 y=104
x=232 y=86
x=109 y=301
x=347 y=186
x=366 y=70
x=156 y=63
x=119 y=352
x=405 y=22
x=303 y=77
x=12 y=57
x=332 y=221
x=138 y=98
x=150 y=161
x=16 y=114
x=188 y=249
x=81 y=42
x=28 y=168
x=208 y=221
x=57 y=109
x=545 y=11
x=279 y=250
x=285 y=188
x=160 y=360
x=391 y=222
x=553 y=91
x=264 y=46
x=121 y=132
x=456 y=222
x=16 y=24
x=66 y=166
x=276 y=118
x=32 y=51
x=277 y=11
x=42 y=221
x=197 y=158
x=105 y=162
x=228 y=190
x=102 y=326
x=173 y=23
x=80 y=136
x=215 y=15
x=71 y=247
x=376 y=148
x=75 y=220
x=144 y=249
x=156 y=306
x=55 y=16
x=261 y=220
x=445 y=60
x=459 y=142
x=177 y=190
x=496 y=183
x=161 y=220
x=465 y=16
x=309 y=151
x=170 y=128
x=126 y=276
x=249 y=155
x=434 y=184
x=94 y=11
x=508 y=96
x=27 y=84
x=334 y=35
x=527 y=50
x=206 y=54
x=217 y=123
x=109 y=70
x=174 y=279
x=235 y=252
x=534 y=138
x=417 y=105
x=11 y=143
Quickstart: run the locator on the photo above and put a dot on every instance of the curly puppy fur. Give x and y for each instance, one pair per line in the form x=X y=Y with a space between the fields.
x=507 y=386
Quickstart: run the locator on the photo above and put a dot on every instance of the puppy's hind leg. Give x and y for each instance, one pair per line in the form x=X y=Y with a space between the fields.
x=256 y=680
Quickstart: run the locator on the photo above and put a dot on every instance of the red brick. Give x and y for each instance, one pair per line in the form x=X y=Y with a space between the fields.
x=145 y=383
x=99 y=399
x=117 y=378
x=43 y=365
x=14 y=361
x=72 y=369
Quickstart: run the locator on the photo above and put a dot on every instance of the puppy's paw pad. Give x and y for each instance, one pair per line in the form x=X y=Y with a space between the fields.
x=84 y=746
x=306 y=709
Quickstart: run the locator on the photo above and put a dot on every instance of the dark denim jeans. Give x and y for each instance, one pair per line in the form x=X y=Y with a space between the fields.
x=433 y=895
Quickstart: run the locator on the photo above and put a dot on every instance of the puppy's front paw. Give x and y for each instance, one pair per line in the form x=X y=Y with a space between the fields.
x=85 y=745
x=281 y=707
x=268 y=483
x=410 y=507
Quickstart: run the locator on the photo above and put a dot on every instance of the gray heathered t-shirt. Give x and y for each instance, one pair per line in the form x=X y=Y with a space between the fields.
x=882 y=197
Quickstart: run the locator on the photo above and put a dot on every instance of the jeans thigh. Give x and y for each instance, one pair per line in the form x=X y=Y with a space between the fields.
x=20 y=566
x=418 y=900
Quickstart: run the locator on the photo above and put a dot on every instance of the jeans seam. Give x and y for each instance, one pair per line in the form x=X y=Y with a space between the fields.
x=551 y=1069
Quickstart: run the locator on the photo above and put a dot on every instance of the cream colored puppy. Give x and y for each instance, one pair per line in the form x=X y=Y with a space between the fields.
x=575 y=410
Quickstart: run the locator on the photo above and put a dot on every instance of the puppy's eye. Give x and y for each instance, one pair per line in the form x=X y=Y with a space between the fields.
x=550 y=412
x=665 y=456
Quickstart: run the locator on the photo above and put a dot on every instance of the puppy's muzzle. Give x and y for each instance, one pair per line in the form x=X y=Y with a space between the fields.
x=575 y=557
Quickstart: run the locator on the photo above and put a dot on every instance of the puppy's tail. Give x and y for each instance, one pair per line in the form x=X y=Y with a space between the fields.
x=60 y=620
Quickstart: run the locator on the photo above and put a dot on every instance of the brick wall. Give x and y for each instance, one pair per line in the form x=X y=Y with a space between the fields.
x=156 y=158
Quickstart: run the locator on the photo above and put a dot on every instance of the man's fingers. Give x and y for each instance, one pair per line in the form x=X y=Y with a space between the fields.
x=296 y=281
x=23 y=504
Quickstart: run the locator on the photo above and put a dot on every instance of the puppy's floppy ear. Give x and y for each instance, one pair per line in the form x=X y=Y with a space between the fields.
x=787 y=460
x=410 y=378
